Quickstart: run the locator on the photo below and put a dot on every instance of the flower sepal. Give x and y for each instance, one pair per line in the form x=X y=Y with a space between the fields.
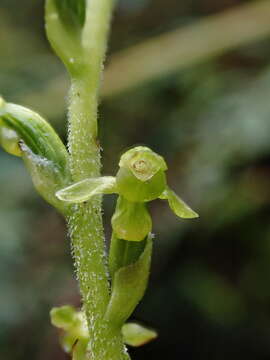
x=177 y=205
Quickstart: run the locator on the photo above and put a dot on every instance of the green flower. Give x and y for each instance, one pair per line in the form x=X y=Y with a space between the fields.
x=74 y=336
x=141 y=178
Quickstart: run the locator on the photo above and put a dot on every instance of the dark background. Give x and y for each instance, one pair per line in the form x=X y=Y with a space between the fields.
x=209 y=294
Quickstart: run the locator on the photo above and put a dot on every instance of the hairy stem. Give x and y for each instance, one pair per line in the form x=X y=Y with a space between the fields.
x=85 y=220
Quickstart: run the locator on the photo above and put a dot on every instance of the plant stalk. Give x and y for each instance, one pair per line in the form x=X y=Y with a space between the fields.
x=85 y=220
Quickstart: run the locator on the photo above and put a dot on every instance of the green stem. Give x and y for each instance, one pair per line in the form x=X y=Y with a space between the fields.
x=85 y=220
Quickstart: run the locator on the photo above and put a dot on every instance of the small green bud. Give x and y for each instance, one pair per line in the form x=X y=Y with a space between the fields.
x=63 y=317
x=131 y=221
x=74 y=324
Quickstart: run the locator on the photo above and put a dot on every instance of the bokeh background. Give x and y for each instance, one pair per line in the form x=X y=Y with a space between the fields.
x=209 y=294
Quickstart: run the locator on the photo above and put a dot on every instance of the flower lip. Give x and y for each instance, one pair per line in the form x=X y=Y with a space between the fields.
x=140 y=166
x=142 y=162
x=142 y=169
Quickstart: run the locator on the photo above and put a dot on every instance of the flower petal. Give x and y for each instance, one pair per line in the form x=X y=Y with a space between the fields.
x=131 y=220
x=85 y=189
x=178 y=206
x=136 y=335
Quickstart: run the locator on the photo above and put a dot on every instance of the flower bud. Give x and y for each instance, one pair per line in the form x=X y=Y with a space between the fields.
x=75 y=337
x=63 y=317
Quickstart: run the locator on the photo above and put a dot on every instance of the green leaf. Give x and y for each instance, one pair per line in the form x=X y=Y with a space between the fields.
x=178 y=206
x=131 y=221
x=136 y=335
x=129 y=285
x=85 y=189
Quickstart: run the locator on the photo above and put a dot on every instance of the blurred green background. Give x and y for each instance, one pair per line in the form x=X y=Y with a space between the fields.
x=209 y=294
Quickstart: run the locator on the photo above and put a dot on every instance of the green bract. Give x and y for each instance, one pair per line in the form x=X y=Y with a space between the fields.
x=26 y=134
x=64 y=27
x=72 y=12
x=129 y=285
